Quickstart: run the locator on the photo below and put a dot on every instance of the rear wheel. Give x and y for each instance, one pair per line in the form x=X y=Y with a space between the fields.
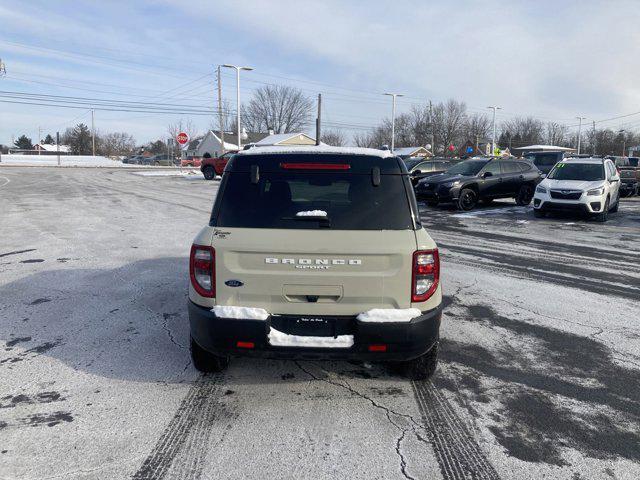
x=468 y=199
x=205 y=361
x=525 y=195
x=421 y=368
x=209 y=173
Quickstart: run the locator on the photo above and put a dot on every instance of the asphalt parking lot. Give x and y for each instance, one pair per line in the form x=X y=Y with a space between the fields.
x=539 y=377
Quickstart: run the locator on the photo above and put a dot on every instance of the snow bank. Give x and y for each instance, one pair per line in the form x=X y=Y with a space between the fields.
x=312 y=213
x=244 y=313
x=389 y=315
x=65 y=161
x=280 y=339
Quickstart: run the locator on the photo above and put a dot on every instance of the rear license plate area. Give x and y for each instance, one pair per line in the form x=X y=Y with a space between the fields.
x=312 y=326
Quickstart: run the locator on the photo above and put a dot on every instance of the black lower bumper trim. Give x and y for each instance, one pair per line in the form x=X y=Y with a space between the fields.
x=404 y=341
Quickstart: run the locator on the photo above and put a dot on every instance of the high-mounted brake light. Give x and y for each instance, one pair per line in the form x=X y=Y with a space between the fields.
x=426 y=274
x=202 y=270
x=315 y=166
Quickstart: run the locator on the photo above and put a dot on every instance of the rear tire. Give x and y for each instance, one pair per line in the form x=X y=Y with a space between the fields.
x=205 y=361
x=468 y=199
x=525 y=195
x=209 y=173
x=421 y=368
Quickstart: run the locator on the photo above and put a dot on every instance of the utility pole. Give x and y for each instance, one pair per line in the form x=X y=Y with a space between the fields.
x=393 y=118
x=579 y=131
x=238 y=68
x=493 y=138
x=220 y=117
x=433 y=138
x=593 y=147
x=58 y=146
x=319 y=119
x=477 y=140
x=93 y=134
x=39 y=139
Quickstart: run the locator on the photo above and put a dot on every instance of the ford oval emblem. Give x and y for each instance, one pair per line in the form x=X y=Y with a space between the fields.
x=233 y=283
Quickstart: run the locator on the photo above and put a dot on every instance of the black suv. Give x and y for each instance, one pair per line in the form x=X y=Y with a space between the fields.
x=420 y=167
x=481 y=179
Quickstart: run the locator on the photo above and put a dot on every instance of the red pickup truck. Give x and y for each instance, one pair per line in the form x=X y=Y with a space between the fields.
x=211 y=167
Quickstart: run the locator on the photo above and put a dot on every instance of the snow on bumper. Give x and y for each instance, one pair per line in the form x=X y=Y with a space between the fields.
x=389 y=315
x=240 y=313
x=281 y=339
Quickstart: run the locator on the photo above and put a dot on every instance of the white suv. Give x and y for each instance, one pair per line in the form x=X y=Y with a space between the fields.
x=589 y=186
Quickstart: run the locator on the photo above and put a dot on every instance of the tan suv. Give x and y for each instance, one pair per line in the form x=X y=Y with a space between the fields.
x=315 y=253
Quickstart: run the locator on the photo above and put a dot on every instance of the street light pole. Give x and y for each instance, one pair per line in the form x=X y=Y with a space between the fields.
x=624 y=140
x=580 y=131
x=493 y=138
x=238 y=68
x=393 y=118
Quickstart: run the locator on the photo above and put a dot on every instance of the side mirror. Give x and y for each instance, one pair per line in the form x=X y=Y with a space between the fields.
x=487 y=174
x=416 y=172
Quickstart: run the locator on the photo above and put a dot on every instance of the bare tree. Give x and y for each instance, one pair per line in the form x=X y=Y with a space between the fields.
x=557 y=134
x=521 y=131
x=478 y=125
x=115 y=144
x=449 y=120
x=282 y=108
x=333 y=137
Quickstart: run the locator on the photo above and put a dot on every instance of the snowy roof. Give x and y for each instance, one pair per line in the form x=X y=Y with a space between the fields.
x=551 y=148
x=277 y=138
x=53 y=148
x=409 y=151
x=322 y=149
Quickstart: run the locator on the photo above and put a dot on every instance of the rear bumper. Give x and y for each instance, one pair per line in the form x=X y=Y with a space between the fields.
x=404 y=341
x=628 y=186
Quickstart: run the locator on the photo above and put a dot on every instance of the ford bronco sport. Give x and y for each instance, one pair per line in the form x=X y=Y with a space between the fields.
x=315 y=253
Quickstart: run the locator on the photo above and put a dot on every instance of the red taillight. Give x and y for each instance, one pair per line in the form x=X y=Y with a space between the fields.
x=426 y=274
x=377 y=348
x=202 y=270
x=315 y=166
x=245 y=344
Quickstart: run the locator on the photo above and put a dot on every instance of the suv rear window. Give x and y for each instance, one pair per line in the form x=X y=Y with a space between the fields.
x=350 y=200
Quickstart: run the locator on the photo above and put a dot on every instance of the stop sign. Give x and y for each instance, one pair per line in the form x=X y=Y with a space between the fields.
x=182 y=138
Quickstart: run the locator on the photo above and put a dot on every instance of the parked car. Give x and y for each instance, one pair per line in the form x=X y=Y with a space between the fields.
x=589 y=186
x=191 y=162
x=420 y=167
x=481 y=179
x=629 y=175
x=162 y=159
x=211 y=167
x=544 y=161
x=317 y=254
x=133 y=160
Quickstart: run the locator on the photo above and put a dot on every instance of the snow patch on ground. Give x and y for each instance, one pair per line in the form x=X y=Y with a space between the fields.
x=65 y=161
x=312 y=213
x=281 y=339
x=167 y=173
x=243 y=313
x=389 y=315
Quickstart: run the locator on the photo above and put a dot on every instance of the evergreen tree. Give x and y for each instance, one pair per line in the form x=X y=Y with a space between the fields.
x=78 y=139
x=24 y=143
x=49 y=140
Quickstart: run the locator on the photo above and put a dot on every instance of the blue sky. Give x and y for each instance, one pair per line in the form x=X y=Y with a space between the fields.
x=552 y=60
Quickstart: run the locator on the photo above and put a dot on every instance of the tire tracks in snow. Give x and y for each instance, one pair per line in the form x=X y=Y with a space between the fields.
x=181 y=449
x=458 y=454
